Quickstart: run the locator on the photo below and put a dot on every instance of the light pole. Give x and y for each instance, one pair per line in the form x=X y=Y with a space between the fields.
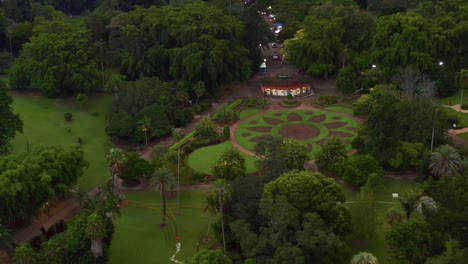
x=178 y=133
x=433 y=128
x=9 y=38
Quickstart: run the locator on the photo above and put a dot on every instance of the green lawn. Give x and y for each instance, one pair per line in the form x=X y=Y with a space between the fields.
x=249 y=130
x=44 y=124
x=462 y=116
x=202 y=159
x=385 y=200
x=464 y=135
x=455 y=99
x=347 y=109
x=138 y=237
x=248 y=112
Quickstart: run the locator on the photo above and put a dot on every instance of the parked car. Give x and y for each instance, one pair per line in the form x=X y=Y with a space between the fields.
x=275 y=56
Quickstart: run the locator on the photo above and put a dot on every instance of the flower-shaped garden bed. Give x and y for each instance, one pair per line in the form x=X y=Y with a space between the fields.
x=312 y=127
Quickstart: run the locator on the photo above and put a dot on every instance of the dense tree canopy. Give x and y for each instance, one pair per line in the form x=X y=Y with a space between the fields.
x=27 y=180
x=196 y=42
x=11 y=122
x=57 y=59
x=302 y=222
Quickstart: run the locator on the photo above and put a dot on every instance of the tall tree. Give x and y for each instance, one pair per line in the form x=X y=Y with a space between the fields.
x=223 y=193
x=208 y=256
x=415 y=241
x=114 y=157
x=11 y=122
x=58 y=58
x=401 y=40
x=96 y=231
x=229 y=165
x=316 y=48
x=444 y=161
x=212 y=207
x=6 y=239
x=163 y=179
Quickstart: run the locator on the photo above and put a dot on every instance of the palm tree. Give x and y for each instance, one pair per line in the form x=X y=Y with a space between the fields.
x=179 y=134
x=162 y=179
x=6 y=240
x=145 y=126
x=444 y=161
x=464 y=166
x=223 y=191
x=96 y=231
x=425 y=203
x=115 y=157
x=211 y=206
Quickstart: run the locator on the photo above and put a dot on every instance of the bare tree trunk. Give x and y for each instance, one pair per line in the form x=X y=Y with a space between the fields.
x=96 y=247
x=222 y=228
x=146 y=140
x=209 y=228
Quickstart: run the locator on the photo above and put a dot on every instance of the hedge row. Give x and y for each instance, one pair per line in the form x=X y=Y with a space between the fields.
x=184 y=140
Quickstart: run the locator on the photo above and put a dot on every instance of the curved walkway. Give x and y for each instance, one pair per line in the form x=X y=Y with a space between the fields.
x=276 y=107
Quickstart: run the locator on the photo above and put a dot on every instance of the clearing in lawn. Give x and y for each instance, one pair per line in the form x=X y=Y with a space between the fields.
x=311 y=127
x=138 y=237
x=384 y=201
x=44 y=123
x=202 y=159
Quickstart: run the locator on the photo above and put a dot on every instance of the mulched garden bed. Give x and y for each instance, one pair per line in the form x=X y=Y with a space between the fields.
x=292 y=117
x=318 y=119
x=272 y=121
x=263 y=129
x=299 y=131
x=335 y=125
x=339 y=134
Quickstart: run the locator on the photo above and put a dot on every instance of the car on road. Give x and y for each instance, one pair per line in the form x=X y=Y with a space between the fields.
x=275 y=56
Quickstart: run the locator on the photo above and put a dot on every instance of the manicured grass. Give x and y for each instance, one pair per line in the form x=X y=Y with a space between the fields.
x=340 y=108
x=464 y=135
x=138 y=237
x=462 y=116
x=202 y=159
x=378 y=246
x=44 y=124
x=248 y=112
x=455 y=99
x=245 y=136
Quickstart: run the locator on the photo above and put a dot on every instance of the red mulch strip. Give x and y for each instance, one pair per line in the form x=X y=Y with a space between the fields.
x=299 y=131
x=253 y=122
x=336 y=118
x=294 y=117
x=254 y=139
x=335 y=125
x=318 y=119
x=308 y=112
x=272 y=121
x=322 y=141
x=340 y=134
x=123 y=204
x=352 y=128
x=246 y=134
x=260 y=129
x=278 y=114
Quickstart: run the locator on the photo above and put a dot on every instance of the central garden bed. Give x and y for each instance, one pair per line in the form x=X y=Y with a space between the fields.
x=311 y=127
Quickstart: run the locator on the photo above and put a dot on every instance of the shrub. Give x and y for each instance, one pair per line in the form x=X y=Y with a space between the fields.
x=374 y=183
x=363 y=105
x=6 y=60
x=225 y=115
x=81 y=99
x=133 y=168
x=324 y=100
x=206 y=128
x=183 y=141
x=357 y=168
x=68 y=116
x=229 y=165
x=289 y=104
x=226 y=132
x=393 y=217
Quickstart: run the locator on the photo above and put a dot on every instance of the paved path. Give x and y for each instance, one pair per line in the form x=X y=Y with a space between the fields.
x=456 y=108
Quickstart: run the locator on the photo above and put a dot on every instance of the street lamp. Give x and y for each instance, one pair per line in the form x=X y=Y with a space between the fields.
x=441 y=63
x=374 y=66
